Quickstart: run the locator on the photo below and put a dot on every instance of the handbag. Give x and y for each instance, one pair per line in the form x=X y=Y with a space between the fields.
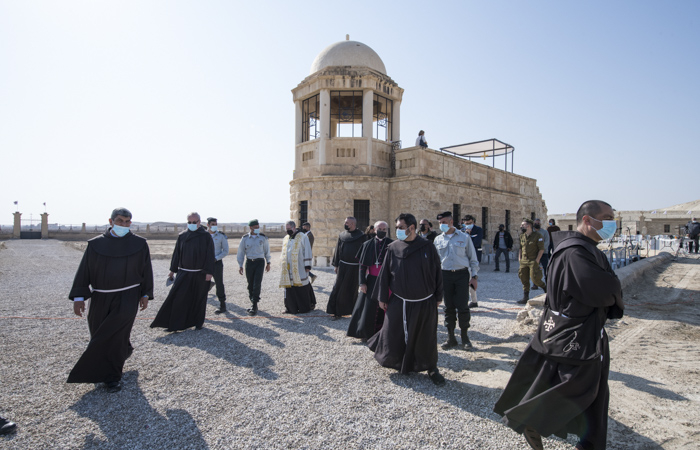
x=571 y=340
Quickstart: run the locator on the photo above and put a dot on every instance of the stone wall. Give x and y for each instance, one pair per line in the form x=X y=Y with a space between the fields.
x=431 y=183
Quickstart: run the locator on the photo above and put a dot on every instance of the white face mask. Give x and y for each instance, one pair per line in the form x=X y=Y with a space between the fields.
x=192 y=226
x=119 y=230
x=214 y=228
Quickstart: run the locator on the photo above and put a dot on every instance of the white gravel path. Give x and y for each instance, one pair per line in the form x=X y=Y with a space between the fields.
x=272 y=381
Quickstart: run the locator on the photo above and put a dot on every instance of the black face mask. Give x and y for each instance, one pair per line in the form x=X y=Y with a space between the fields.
x=523 y=230
x=537 y=227
x=290 y=232
x=423 y=228
x=381 y=234
x=500 y=229
x=347 y=227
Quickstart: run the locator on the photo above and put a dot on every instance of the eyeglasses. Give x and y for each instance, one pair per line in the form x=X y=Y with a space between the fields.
x=193 y=223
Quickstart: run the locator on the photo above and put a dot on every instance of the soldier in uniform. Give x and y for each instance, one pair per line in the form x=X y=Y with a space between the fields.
x=529 y=255
x=254 y=250
x=220 y=252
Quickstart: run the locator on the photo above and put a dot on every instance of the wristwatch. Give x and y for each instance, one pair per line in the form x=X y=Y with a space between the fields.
x=475 y=277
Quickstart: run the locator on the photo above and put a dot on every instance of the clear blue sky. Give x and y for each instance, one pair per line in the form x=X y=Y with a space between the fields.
x=170 y=106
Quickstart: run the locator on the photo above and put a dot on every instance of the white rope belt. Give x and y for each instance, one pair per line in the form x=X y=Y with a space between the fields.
x=189 y=270
x=350 y=264
x=116 y=290
x=405 y=324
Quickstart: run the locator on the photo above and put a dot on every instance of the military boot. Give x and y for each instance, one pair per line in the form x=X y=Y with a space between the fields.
x=466 y=343
x=254 y=310
x=222 y=307
x=451 y=340
x=526 y=297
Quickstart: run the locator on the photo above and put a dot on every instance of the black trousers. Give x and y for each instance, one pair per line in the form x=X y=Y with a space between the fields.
x=504 y=252
x=219 y=279
x=456 y=294
x=693 y=240
x=254 y=273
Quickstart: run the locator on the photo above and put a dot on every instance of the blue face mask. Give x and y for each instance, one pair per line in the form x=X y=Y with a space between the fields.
x=214 y=228
x=608 y=230
x=119 y=231
x=469 y=227
x=256 y=230
x=192 y=226
x=401 y=234
x=444 y=227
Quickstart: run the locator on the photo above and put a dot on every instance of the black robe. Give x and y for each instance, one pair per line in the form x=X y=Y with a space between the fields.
x=546 y=393
x=344 y=294
x=367 y=317
x=412 y=271
x=110 y=263
x=186 y=303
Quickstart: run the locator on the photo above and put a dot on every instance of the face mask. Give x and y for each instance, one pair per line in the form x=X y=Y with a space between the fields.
x=347 y=227
x=120 y=231
x=469 y=227
x=401 y=234
x=381 y=234
x=608 y=230
x=192 y=226
x=523 y=230
x=422 y=228
x=256 y=230
x=551 y=224
x=290 y=232
x=501 y=230
x=537 y=227
x=214 y=228
x=444 y=227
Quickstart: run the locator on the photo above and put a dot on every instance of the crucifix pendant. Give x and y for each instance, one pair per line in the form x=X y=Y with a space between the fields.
x=376 y=265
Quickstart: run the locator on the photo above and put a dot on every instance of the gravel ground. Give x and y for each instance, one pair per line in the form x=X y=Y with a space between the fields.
x=271 y=381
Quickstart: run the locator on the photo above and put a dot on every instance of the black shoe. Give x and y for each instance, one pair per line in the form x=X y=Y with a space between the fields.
x=496 y=269
x=436 y=378
x=253 y=311
x=534 y=288
x=7 y=427
x=533 y=438
x=526 y=297
x=466 y=343
x=473 y=304
x=113 y=386
x=450 y=343
x=222 y=307
x=335 y=317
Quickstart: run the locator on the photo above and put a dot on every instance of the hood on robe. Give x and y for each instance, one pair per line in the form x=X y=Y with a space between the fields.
x=560 y=236
x=347 y=236
x=403 y=249
x=117 y=247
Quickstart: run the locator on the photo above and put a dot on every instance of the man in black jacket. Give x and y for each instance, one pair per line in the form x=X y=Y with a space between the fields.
x=502 y=243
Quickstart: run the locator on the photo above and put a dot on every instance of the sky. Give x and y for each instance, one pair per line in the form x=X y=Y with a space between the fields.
x=166 y=107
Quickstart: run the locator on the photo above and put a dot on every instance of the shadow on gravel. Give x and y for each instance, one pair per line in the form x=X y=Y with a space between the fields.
x=310 y=326
x=224 y=347
x=479 y=401
x=650 y=387
x=126 y=418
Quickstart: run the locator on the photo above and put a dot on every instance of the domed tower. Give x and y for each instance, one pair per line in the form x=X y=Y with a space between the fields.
x=347 y=120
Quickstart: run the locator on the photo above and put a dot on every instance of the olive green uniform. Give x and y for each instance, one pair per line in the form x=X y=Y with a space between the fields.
x=530 y=246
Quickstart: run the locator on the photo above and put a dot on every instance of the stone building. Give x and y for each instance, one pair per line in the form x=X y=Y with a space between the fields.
x=349 y=160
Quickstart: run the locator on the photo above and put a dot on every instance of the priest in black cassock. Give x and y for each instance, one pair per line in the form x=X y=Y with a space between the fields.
x=116 y=275
x=409 y=289
x=193 y=260
x=367 y=317
x=344 y=294
x=560 y=384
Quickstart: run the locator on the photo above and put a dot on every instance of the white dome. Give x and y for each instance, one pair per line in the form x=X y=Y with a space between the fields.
x=348 y=53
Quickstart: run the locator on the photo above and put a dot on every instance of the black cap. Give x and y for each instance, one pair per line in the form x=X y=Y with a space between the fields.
x=443 y=215
x=253 y=222
x=211 y=219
